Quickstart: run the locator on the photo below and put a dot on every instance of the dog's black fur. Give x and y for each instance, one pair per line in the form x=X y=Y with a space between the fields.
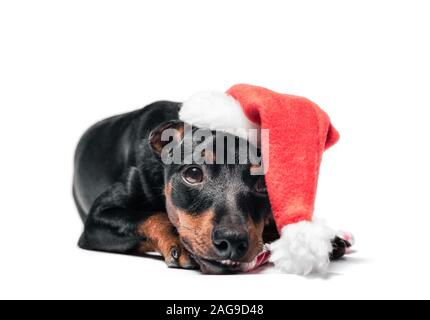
x=125 y=194
x=120 y=182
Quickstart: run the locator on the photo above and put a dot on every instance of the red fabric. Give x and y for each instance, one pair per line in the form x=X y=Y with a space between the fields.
x=299 y=133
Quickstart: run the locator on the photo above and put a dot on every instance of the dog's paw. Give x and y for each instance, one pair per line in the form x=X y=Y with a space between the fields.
x=340 y=247
x=178 y=257
x=342 y=244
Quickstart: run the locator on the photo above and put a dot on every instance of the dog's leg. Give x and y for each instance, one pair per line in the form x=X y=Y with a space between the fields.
x=161 y=236
x=120 y=222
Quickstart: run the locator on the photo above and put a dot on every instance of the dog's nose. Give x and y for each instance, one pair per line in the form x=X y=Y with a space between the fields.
x=230 y=243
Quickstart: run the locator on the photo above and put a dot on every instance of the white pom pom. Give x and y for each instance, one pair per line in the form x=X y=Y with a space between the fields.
x=216 y=111
x=303 y=248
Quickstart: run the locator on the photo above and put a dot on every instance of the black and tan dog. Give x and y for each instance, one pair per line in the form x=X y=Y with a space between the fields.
x=209 y=216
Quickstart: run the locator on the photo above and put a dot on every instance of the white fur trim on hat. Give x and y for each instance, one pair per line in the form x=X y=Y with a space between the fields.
x=216 y=111
x=303 y=248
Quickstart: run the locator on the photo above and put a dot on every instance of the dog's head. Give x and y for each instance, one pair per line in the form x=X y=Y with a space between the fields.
x=216 y=202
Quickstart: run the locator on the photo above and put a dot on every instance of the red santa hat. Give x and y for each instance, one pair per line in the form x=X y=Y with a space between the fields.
x=299 y=133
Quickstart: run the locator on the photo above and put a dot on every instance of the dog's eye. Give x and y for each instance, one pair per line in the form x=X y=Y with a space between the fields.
x=193 y=175
x=260 y=186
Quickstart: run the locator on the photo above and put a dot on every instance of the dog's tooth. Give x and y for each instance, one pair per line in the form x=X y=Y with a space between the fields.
x=230 y=263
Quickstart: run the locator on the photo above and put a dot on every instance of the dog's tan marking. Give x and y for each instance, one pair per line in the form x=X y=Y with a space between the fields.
x=161 y=236
x=197 y=230
x=159 y=232
x=255 y=231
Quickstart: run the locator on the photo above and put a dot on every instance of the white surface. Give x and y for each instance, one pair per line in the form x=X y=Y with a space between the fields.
x=67 y=64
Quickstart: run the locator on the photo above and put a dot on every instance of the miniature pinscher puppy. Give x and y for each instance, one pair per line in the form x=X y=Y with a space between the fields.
x=212 y=215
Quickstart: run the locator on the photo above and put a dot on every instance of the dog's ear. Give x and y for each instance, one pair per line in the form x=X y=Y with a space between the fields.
x=171 y=133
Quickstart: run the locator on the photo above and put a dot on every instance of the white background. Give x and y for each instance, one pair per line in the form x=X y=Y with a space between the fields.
x=66 y=64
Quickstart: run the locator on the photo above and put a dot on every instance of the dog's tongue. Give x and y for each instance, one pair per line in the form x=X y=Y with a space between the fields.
x=259 y=261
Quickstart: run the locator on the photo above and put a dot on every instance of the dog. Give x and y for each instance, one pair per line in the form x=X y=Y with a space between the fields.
x=209 y=216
